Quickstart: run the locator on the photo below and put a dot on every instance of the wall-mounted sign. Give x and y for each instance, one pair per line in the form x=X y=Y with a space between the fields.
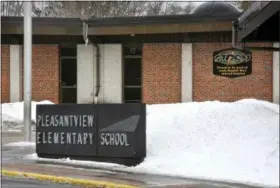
x=232 y=63
x=102 y=132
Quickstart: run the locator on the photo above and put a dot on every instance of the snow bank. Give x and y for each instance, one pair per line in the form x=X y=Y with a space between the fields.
x=226 y=141
x=12 y=114
x=235 y=142
x=21 y=144
x=10 y=123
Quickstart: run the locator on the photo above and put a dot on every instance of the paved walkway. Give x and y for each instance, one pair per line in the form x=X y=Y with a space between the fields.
x=7 y=182
x=13 y=160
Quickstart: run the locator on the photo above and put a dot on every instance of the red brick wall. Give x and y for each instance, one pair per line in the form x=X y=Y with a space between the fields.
x=5 y=73
x=45 y=73
x=161 y=73
x=207 y=86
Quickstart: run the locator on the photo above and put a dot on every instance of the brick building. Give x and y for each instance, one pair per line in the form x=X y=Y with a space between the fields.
x=155 y=59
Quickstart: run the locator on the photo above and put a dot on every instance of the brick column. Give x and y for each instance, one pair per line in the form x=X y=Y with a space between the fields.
x=45 y=73
x=162 y=73
x=5 y=73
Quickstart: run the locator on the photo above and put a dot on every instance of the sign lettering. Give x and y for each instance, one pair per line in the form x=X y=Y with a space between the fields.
x=232 y=63
x=114 y=139
x=64 y=138
x=65 y=121
x=132 y=51
x=92 y=132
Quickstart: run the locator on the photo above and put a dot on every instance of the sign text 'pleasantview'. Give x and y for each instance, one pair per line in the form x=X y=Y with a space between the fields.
x=65 y=121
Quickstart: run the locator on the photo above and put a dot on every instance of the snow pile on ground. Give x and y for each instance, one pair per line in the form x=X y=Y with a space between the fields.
x=227 y=141
x=10 y=123
x=234 y=142
x=12 y=114
x=21 y=144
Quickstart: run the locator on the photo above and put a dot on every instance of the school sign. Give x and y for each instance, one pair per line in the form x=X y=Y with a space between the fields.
x=98 y=132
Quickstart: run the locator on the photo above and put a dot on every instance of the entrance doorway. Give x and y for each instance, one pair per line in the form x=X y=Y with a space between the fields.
x=132 y=78
x=68 y=74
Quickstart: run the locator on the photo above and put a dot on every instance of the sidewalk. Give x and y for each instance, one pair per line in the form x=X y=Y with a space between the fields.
x=13 y=160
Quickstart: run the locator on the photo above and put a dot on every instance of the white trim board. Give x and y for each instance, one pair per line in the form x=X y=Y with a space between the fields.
x=15 y=73
x=187 y=76
x=275 y=74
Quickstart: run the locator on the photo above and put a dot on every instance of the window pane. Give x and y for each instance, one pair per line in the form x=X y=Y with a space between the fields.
x=69 y=72
x=133 y=94
x=68 y=52
x=132 y=72
x=69 y=95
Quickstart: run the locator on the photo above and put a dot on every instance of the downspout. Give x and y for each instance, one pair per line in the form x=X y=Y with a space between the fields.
x=87 y=40
x=97 y=72
x=234 y=24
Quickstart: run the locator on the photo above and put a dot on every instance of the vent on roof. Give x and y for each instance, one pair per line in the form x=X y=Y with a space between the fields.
x=216 y=8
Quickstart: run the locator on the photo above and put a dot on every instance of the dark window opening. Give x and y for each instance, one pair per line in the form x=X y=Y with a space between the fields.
x=69 y=72
x=68 y=52
x=132 y=73
x=132 y=95
x=68 y=75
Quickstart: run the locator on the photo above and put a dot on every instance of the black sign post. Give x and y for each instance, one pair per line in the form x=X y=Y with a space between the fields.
x=104 y=132
x=232 y=63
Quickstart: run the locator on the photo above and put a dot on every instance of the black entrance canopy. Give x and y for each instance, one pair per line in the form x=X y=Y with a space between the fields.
x=260 y=23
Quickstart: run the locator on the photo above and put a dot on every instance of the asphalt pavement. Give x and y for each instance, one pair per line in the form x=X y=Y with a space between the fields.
x=13 y=159
x=8 y=182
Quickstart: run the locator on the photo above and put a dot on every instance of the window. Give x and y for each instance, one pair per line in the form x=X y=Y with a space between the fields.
x=132 y=73
x=68 y=74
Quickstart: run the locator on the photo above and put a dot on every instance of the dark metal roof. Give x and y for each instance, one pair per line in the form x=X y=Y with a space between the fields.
x=217 y=8
x=42 y=21
x=192 y=37
x=166 y=19
x=259 y=22
x=121 y=21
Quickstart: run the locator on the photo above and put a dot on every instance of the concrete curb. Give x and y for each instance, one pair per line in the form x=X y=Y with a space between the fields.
x=65 y=180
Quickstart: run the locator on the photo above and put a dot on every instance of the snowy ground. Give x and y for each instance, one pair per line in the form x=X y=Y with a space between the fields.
x=21 y=144
x=12 y=115
x=234 y=142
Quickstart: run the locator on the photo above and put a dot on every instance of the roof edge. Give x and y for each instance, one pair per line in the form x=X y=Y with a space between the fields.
x=253 y=10
x=121 y=21
x=41 y=20
x=165 y=19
